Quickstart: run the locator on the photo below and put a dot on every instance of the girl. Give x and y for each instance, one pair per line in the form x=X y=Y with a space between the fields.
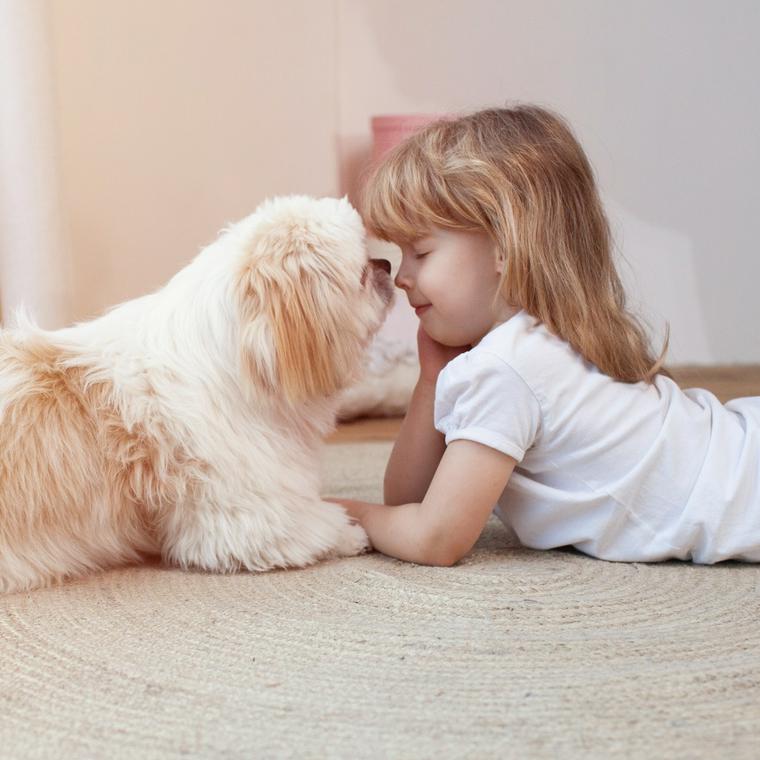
x=538 y=392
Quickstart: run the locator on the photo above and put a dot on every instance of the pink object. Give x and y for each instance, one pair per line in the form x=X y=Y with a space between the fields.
x=389 y=131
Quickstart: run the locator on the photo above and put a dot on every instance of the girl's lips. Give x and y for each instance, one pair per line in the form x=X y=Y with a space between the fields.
x=421 y=309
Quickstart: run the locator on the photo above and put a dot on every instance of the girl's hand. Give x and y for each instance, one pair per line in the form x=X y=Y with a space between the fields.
x=434 y=356
x=354 y=508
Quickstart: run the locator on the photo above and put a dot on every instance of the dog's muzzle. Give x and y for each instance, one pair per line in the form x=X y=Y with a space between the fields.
x=381 y=279
x=381 y=264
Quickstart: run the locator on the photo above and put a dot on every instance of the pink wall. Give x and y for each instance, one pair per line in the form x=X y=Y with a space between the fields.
x=177 y=116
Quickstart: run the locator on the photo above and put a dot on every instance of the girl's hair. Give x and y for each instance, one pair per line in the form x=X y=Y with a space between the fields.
x=520 y=175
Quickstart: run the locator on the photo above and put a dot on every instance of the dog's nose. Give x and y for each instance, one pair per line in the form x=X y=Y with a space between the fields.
x=381 y=264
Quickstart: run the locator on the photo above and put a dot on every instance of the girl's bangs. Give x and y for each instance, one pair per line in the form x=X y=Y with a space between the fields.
x=402 y=201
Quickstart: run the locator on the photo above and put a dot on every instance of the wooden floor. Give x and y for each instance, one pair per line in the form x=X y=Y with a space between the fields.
x=726 y=382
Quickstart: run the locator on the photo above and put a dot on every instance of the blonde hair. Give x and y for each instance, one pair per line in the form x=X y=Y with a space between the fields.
x=520 y=175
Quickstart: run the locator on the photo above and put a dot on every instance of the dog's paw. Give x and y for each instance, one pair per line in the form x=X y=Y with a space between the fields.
x=353 y=540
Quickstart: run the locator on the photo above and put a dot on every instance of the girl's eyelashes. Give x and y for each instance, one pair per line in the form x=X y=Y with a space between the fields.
x=421 y=255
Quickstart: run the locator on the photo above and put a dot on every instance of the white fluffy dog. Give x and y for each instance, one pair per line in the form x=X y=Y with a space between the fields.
x=188 y=422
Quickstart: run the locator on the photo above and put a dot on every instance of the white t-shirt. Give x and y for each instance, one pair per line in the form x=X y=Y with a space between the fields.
x=630 y=472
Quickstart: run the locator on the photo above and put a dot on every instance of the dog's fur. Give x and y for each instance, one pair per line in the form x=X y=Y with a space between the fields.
x=188 y=422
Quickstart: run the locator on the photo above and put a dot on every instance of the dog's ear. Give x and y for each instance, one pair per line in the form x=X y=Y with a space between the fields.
x=297 y=330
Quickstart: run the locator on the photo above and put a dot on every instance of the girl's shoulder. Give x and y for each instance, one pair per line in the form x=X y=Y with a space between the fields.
x=522 y=355
x=530 y=349
x=481 y=396
x=505 y=362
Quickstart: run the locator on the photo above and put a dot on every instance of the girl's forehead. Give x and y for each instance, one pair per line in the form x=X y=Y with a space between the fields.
x=413 y=242
x=441 y=235
x=425 y=236
x=418 y=242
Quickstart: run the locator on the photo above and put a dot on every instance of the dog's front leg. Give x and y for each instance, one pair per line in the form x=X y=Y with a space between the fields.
x=261 y=534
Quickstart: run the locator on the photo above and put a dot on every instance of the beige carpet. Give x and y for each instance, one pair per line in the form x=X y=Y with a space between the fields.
x=512 y=653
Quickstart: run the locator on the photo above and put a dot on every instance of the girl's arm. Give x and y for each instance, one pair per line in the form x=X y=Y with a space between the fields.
x=419 y=446
x=417 y=451
x=445 y=525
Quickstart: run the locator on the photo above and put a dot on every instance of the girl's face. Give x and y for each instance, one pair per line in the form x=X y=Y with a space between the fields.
x=451 y=278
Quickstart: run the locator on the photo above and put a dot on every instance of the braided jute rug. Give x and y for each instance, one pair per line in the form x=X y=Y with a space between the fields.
x=510 y=654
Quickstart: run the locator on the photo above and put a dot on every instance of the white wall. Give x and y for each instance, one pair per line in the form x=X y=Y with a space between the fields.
x=177 y=116
x=664 y=97
x=34 y=260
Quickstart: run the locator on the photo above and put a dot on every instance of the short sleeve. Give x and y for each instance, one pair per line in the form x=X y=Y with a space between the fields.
x=479 y=397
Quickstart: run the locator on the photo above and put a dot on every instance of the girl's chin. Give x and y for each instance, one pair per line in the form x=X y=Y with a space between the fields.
x=444 y=339
x=453 y=340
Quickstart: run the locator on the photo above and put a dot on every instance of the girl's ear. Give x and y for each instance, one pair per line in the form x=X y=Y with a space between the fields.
x=498 y=257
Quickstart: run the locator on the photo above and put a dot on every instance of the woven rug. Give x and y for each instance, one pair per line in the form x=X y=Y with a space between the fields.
x=511 y=653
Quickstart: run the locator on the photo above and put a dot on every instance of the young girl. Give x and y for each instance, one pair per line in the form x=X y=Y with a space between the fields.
x=538 y=392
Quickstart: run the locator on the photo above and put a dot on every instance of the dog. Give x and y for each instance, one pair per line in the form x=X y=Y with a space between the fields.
x=188 y=423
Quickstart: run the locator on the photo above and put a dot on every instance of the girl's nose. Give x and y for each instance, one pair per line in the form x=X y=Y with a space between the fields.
x=401 y=279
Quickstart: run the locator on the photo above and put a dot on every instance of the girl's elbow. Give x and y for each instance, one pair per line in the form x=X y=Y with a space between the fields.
x=440 y=555
x=445 y=560
x=442 y=560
